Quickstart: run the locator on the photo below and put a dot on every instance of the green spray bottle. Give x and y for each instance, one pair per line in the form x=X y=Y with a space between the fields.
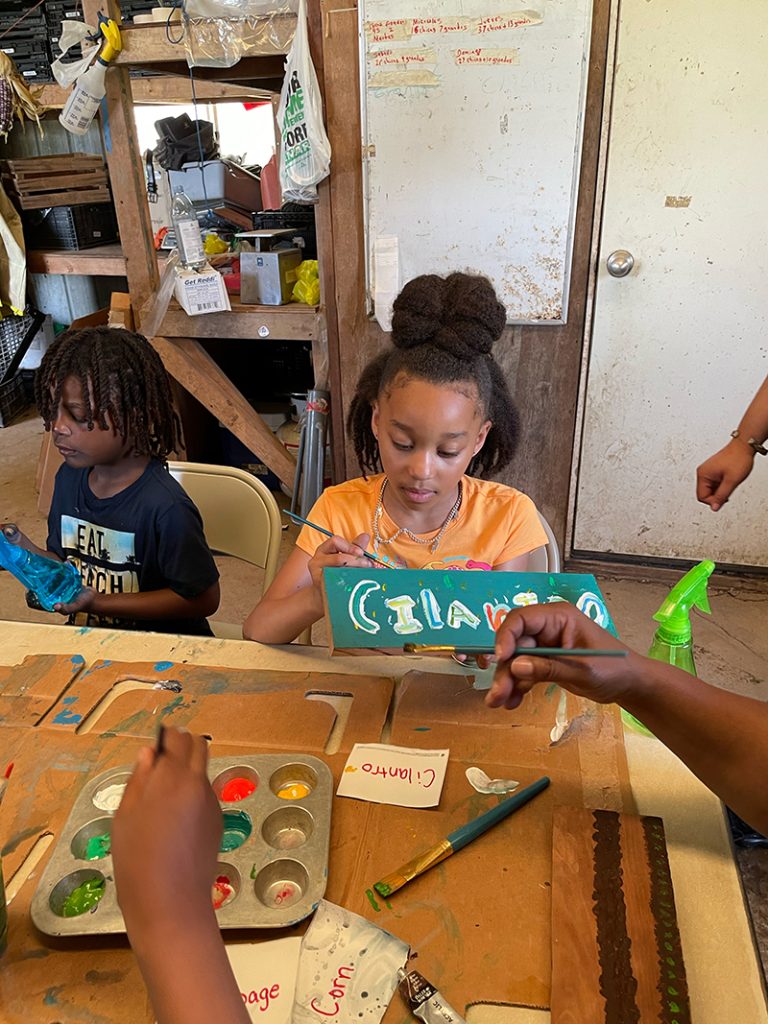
x=672 y=641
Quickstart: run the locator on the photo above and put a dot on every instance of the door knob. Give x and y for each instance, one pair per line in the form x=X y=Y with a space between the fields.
x=620 y=262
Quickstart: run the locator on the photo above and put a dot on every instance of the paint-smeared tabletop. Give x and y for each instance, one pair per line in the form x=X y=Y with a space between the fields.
x=721 y=965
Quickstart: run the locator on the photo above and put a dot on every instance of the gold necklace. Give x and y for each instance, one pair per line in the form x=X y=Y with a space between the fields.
x=378 y=539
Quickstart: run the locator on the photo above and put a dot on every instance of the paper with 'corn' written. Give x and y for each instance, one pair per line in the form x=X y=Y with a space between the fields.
x=402 y=776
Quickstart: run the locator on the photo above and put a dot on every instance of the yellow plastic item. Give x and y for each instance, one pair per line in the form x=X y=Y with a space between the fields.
x=307 y=288
x=214 y=245
x=113 y=42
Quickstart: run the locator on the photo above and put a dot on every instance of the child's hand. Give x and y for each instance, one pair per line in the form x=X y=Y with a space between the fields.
x=82 y=603
x=166 y=837
x=721 y=474
x=336 y=552
x=558 y=625
x=11 y=532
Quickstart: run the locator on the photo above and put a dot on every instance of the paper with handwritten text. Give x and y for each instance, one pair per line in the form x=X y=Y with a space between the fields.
x=266 y=975
x=402 y=776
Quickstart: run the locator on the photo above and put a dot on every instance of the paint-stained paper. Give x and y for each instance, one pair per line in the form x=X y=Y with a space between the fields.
x=402 y=776
x=347 y=969
x=266 y=974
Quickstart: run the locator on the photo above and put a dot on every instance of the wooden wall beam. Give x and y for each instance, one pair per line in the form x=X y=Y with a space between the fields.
x=126 y=172
x=187 y=362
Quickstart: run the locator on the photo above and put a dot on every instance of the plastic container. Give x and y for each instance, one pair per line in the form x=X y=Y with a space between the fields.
x=50 y=581
x=13 y=399
x=302 y=221
x=16 y=335
x=226 y=184
x=673 y=640
x=70 y=227
x=189 y=240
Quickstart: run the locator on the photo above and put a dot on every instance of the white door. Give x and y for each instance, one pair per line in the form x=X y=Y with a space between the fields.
x=679 y=345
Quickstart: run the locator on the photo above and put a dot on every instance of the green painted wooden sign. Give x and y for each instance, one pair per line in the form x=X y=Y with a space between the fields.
x=386 y=608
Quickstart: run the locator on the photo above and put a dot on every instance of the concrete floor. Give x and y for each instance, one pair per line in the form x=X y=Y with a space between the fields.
x=731 y=645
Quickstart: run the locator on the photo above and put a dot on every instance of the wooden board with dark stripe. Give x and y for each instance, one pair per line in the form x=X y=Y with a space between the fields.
x=616 y=953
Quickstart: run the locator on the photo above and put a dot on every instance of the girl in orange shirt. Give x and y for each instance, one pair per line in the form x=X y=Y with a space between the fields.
x=424 y=413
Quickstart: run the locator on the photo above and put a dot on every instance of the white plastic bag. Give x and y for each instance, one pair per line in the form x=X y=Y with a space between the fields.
x=305 y=155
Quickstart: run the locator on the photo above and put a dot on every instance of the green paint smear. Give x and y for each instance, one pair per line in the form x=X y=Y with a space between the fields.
x=84 y=898
x=422 y=728
x=98 y=846
x=382 y=888
x=237 y=828
x=372 y=900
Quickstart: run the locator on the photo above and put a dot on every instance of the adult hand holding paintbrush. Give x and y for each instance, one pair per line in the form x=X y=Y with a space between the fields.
x=165 y=846
x=721 y=736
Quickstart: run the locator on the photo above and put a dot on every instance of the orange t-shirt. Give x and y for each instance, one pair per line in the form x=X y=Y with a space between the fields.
x=495 y=524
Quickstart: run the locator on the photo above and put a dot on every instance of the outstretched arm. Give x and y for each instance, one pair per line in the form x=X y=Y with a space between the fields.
x=165 y=842
x=721 y=736
x=721 y=474
x=295 y=598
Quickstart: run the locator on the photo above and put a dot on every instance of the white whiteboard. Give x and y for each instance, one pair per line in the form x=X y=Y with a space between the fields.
x=472 y=127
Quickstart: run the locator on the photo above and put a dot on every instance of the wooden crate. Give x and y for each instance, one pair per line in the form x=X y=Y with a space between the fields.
x=67 y=179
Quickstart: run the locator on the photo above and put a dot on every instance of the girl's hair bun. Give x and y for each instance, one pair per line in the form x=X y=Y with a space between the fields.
x=459 y=314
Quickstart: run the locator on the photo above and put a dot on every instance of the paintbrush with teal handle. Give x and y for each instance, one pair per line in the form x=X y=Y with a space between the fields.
x=321 y=529
x=458 y=839
x=540 y=652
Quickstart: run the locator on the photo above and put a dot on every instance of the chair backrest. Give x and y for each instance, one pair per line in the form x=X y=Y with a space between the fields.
x=240 y=515
x=546 y=559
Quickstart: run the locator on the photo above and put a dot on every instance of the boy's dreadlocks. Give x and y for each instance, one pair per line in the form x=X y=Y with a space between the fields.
x=122 y=377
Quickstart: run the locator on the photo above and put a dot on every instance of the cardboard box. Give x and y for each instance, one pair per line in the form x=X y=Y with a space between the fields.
x=201 y=291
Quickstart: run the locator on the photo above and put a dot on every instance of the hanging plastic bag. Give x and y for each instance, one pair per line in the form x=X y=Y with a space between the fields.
x=305 y=155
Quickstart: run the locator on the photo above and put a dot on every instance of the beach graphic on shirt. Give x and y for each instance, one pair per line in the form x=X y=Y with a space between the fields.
x=106 y=558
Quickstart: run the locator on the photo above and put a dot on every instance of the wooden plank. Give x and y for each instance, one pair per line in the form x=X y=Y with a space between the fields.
x=54 y=162
x=284 y=323
x=616 y=951
x=126 y=171
x=362 y=614
x=30 y=182
x=149 y=44
x=358 y=338
x=103 y=260
x=188 y=362
x=575 y=972
x=75 y=198
x=166 y=89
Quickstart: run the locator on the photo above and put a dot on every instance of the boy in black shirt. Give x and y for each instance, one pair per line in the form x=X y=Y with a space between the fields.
x=116 y=511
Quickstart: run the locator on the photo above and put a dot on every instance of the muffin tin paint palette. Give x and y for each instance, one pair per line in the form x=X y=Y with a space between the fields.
x=273 y=860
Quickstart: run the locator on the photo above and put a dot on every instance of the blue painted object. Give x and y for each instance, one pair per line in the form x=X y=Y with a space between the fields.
x=50 y=581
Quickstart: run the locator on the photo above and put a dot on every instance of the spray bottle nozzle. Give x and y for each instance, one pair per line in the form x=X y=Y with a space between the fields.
x=674 y=614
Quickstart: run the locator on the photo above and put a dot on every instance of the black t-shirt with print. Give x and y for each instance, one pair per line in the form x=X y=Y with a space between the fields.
x=147 y=537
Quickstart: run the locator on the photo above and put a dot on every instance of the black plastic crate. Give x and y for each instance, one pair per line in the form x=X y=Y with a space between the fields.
x=16 y=334
x=13 y=400
x=303 y=220
x=70 y=227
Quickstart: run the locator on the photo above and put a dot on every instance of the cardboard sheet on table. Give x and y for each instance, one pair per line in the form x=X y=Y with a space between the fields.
x=211 y=701
x=28 y=690
x=431 y=707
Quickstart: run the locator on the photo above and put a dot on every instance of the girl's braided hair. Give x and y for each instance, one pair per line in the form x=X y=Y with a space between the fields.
x=122 y=377
x=443 y=330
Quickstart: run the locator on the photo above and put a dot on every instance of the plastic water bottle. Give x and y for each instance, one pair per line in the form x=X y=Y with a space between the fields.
x=189 y=240
x=51 y=582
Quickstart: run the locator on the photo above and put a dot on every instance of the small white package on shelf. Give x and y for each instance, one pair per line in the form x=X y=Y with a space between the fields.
x=201 y=291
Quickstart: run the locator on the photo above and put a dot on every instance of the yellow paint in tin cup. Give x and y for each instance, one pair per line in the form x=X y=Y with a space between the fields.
x=294 y=791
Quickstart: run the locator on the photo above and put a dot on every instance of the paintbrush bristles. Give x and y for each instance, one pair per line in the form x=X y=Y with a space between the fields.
x=391 y=883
